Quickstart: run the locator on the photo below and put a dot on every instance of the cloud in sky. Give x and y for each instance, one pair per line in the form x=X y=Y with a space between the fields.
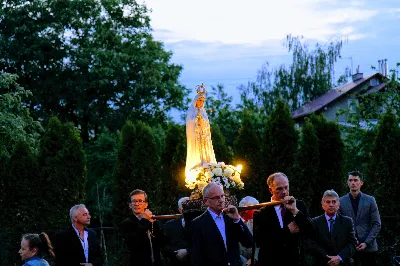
x=255 y=21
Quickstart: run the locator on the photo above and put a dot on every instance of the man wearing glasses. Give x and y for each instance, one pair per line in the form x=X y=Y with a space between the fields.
x=140 y=233
x=216 y=233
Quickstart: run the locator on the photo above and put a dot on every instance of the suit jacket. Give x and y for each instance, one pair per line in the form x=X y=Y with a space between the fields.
x=175 y=238
x=341 y=243
x=69 y=252
x=277 y=245
x=208 y=247
x=137 y=249
x=367 y=222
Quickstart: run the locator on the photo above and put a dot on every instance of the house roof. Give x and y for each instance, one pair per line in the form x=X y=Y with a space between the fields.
x=332 y=95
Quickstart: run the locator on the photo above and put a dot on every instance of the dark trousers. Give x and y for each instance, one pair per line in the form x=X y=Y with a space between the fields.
x=365 y=259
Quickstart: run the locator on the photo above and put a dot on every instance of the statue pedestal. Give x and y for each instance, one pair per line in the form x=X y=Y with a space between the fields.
x=195 y=207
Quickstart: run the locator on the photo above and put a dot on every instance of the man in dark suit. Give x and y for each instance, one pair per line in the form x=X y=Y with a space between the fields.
x=363 y=210
x=279 y=231
x=77 y=245
x=333 y=240
x=216 y=233
x=141 y=235
x=177 y=244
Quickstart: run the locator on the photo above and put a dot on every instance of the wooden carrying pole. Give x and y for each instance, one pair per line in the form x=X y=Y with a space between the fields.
x=240 y=209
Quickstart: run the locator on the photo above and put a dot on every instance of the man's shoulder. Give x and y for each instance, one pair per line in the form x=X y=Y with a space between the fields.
x=91 y=231
x=318 y=218
x=126 y=221
x=344 y=197
x=65 y=231
x=366 y=196
x=301 y=205
x=264 y=211
x=201 y=218
x=173 y=222
x=345 y=218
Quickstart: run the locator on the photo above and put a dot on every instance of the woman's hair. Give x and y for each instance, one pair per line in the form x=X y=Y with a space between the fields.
x=41 y=242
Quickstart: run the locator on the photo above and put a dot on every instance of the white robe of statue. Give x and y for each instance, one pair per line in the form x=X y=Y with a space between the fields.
x=199 y=144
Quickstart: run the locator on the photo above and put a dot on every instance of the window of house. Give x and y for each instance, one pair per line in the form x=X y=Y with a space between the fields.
x=352 y=105
x=374 y=82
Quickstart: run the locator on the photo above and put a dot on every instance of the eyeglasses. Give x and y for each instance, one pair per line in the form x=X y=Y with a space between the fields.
x=138 y=201
x=217 y=197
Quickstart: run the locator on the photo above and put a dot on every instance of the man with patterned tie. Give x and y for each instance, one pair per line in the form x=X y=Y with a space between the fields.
x=141 y=235
x=279 y=231
x=333 y=239
x=216 y=233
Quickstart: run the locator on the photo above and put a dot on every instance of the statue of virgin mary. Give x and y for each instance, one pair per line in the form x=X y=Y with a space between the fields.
x=199 y=144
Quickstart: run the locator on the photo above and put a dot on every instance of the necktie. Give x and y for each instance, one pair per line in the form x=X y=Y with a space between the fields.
x=283 y=212
x=331 y=221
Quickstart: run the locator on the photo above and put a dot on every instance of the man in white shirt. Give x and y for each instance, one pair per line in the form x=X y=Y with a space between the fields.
x=78 y=245
x=216 y=233
x=279 y=231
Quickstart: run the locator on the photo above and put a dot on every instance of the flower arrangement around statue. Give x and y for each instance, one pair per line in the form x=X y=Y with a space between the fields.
x=226 y=175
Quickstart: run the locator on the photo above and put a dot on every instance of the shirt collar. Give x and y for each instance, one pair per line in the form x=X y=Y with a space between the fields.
x=76 y=230
x=357 y=198
x=327 y=217
x=213 y=214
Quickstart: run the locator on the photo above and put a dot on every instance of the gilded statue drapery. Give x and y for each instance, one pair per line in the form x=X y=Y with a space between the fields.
x=198 y=134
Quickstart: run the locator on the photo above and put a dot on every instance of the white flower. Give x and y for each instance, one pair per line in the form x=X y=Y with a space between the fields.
x=228 y=172
x=217 y=171
x=226 y=175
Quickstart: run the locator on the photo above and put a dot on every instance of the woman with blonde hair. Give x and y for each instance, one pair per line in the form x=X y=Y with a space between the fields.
x=34 y=247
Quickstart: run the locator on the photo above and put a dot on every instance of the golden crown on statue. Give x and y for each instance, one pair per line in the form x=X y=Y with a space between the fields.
x=201 y=89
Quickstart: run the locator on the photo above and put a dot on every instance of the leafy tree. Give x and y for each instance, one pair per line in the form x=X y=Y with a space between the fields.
x=20 y=200
x=63 y=171
x=305 y=174
x=223 y=152
x=101 y=160
x=310 y=74
x=138 y=167
x=330 y=171
x=280 y=141
x=174 y=159
x=384 y=166
x=222 y=113
x=248 y=154
x=16 y=124
x=382 y=180
x=18 y=212
x=94 y=63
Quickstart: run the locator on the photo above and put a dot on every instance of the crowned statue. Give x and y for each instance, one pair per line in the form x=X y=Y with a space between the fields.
x=201 y=164
x=198 y=133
